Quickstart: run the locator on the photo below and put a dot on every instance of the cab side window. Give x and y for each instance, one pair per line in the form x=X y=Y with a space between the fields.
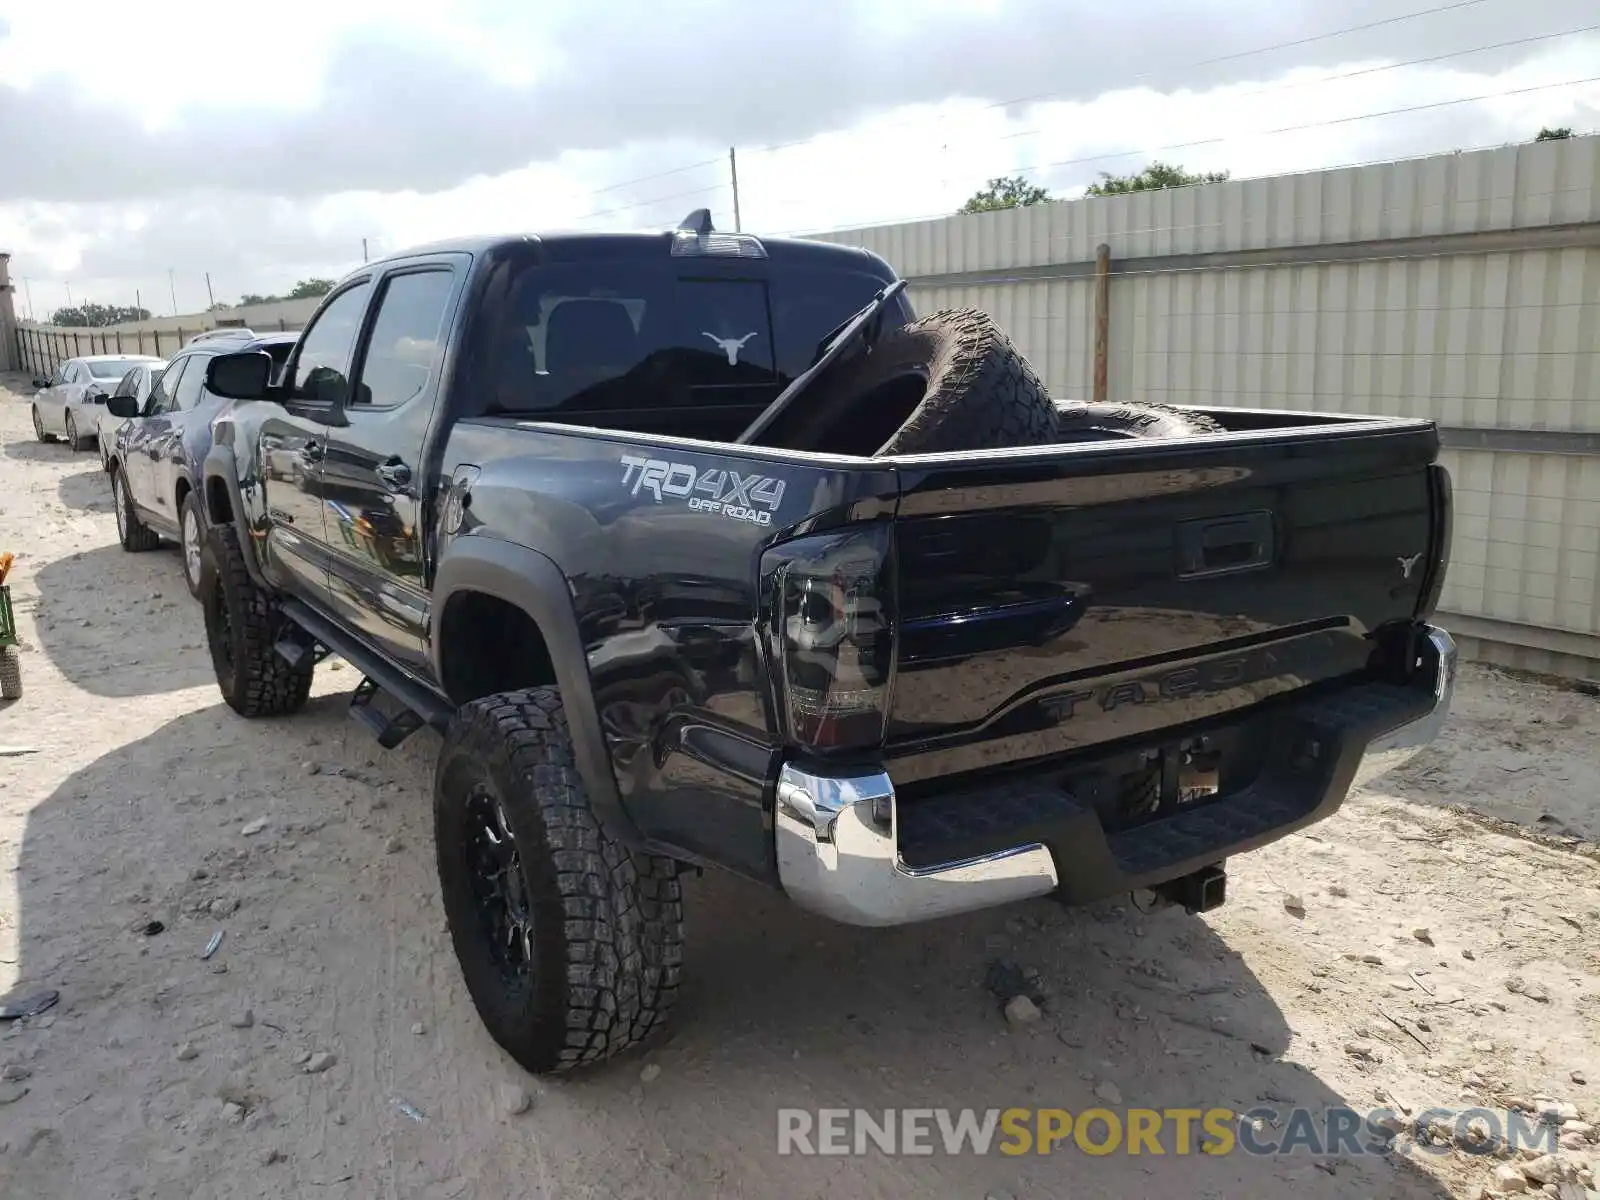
x=403 y=351
x=322 y=368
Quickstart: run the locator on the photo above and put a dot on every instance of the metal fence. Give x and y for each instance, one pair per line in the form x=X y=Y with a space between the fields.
x=41 y=347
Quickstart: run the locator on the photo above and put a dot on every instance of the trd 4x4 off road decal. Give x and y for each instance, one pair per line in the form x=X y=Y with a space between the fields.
x=752 y=498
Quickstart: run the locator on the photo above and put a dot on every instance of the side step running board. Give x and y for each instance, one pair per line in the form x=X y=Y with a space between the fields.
x=390 y=731
x=420 y=705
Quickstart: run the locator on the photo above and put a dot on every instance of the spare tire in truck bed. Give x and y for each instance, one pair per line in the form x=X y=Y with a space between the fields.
x=1079 y=422
x=947 y=381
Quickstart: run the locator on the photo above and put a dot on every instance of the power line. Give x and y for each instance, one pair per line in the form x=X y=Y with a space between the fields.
x=1390 y=112
x=1116 y=154
x=1204 y=62
x=606 y=212
x=611 y=187
x=1396 y=66
x=1291 y=85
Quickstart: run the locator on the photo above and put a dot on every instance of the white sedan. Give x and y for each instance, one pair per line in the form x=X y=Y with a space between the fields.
x=137 y=383
x=68 y=404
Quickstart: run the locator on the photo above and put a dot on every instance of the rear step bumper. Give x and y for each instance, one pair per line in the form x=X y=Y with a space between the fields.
x=844 y=849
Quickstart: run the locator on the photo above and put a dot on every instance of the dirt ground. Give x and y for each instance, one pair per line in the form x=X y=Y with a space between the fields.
x=127 y=793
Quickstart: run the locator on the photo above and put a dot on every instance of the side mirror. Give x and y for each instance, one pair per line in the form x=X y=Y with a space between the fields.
x=39 y=382
x=122 y=406
x=246 y=375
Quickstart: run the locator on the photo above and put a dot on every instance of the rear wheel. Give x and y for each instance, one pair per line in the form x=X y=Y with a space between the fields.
x=191 y=541
x=38 y=427
x=133 y=533
x=571 y=944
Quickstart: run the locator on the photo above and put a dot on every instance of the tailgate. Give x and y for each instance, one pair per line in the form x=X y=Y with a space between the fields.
x=1059 y=599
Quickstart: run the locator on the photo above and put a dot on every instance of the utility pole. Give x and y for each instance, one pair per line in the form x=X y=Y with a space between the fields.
x=138 y=300
x=363 y=249
x=69 y=295
x=733 y=169
x=27 y=291
x=210 y=295
x=172 y=290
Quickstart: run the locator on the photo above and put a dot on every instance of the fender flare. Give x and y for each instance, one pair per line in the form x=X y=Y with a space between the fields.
x=533 y=583
x=220 y=465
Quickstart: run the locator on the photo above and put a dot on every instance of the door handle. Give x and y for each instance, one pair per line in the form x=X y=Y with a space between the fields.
x=395 y=473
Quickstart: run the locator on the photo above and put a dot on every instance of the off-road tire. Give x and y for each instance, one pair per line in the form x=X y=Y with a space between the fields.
x=135 y=536
x=38 y=427
x=947 y=381
x=1076 y=421
x=243 y=625
x=606 y=922
x=10 y=673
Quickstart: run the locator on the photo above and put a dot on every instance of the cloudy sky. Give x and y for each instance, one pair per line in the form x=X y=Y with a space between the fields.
x=264 y=148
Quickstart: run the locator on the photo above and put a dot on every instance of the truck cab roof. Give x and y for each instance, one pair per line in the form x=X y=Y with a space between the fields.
x=570 y=245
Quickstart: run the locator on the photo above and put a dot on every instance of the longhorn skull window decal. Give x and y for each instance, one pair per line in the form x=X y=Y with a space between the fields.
x=730 y=346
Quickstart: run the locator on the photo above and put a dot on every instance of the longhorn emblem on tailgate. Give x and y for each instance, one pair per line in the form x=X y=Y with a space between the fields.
x=1408 y=564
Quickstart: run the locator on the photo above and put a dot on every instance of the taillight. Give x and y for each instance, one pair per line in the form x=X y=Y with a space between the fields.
x=832 y=614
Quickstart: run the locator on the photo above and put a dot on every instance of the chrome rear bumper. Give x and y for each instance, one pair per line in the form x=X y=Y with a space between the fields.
x=838 y=850
x=837 y=859
x=1397 y=747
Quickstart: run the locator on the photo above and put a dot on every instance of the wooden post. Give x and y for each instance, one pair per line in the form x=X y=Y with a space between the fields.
x=1102 y=319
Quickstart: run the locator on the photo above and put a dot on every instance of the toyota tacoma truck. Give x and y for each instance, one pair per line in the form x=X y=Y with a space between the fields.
x=701 y=550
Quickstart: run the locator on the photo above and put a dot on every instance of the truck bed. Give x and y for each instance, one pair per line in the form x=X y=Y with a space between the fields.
x=1103 y=602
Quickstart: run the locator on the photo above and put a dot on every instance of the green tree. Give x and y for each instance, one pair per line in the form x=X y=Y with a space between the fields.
x=307 y=288
x=1560 y=134
x=1156 y=176
x=257 y=298
x=96 y=316
x=1005 y=192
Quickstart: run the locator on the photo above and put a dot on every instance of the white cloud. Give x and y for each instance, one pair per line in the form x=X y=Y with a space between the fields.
x=269 y=158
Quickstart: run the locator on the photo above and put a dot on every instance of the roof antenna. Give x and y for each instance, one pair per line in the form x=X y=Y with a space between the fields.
x=698 y=222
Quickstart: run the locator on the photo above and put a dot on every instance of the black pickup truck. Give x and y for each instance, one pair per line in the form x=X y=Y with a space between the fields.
x=545 y=494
